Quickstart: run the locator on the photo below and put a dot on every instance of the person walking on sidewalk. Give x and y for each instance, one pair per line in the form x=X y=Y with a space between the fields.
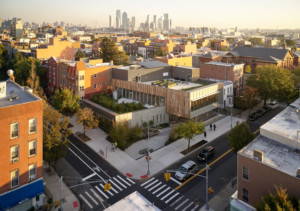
x=214 y=127
x=204 y=134
x=210 y=126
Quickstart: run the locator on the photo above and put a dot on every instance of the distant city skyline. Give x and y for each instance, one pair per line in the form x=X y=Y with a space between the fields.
x=267 y=14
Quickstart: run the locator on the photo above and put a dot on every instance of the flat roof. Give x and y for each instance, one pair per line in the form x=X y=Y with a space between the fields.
x=14 y=90
x=275 y=154
x=181 y=85
x=223 y=64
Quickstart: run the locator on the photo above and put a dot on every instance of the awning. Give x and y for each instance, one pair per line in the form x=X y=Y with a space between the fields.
x=23 y=193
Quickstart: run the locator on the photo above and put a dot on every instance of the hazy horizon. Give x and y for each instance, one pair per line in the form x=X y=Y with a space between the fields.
x=266 y=14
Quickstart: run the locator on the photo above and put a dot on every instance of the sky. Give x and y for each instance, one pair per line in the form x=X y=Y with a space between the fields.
x=251 y=14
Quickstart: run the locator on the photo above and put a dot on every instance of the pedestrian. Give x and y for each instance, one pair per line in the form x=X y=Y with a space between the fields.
x=210 y=126
x=113 y=147
x=214 y=127
x=204 y=134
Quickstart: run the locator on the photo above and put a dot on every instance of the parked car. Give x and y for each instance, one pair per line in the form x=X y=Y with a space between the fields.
x=273 y=104
x=267 y=108
x=260 y=112
x=253 y=116
x=207 y=153
x=185 y=170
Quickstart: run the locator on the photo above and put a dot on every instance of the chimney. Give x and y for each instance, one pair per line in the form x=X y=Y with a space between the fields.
x=258 y=155
x=10 y=73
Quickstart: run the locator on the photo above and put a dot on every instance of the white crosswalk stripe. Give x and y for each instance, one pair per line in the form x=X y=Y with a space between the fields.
x=147 y=181
x=115 y=185
x=155 y=181
x=172 y=197
x=123 y=180
x=154 y=186
x=100 y=191
x=86 y=201
x=190 y=204
x=177 y=200
x=159 y=189
x=163 y=192
x=130 y=180
x=119 y=182
x=91 y=198
x=185 y=201
x=96 y=195
x=107 y=190
x=195 y=208
x=165 y=196
x=175 y=180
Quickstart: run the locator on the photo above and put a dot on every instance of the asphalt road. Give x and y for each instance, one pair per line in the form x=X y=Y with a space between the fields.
x=171 y=195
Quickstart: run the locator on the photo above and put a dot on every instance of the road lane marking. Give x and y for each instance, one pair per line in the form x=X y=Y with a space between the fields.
x=107 y=190
x=88 y=177
x=115 y=185
x=172 y=197
x=96 y=195
x=91 y=198
x=165 y=196
x=175 y=180
x=177 y=200
x=163 y=192
x=185 y=201
x=147 y=181
x=188 y=206
x=123 y=180
x=86 y=201
x=103 y=194
x=159 y=188
x=154 y=186
x=199 y=172
x=195 y=208
x=89 y=158
x=119 y=182
x=85 y=163
x=130 y=180
x=155 y=181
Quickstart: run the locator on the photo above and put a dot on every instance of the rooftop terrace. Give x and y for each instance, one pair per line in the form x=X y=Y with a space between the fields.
x=175 y=84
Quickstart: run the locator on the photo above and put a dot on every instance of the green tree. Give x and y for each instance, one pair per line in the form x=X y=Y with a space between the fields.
x=224 y=49
x=120 y=133
x=3 y=62
x=86 y=118
x=272 y=82
x=79 y=54
x=159 y=52
x=109 y=52
x=230 y=39
x=255 y=41
x=239 y=136
x=290 y=43
x=54 y=132
x=278 y=202
x=212 y=44
x=248 y=99
x=247 y=69
x=189 y=130
x=33 y=81
x=66 y=101
x=135 y=133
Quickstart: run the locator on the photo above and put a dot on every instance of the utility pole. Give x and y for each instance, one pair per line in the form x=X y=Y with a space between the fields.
x=60 y=193
x=148 y=154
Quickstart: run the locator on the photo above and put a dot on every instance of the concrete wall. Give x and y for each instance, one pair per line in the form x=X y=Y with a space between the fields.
x=185 y=73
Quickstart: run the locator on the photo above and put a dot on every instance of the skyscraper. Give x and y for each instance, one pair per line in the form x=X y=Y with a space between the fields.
x=132 y=22
x=118 y=19
x=109 y=25
x=170 y=24
x=166 y=22
x=159 y=23
x=154 y=22
x=124 y=20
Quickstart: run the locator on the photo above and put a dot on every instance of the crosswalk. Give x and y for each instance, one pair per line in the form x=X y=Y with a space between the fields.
x=168 y=195
x=96 y=195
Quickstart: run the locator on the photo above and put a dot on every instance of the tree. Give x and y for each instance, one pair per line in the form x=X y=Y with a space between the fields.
x=3 y=62
x=255 y=41
x=248 y=99
x=272 y=82
x=224 y=48
x=189 y=130
x=120 y=133
x=230 y=39
x=290 y=43
x=66 y=101
x=109 y=52
x=159 y=52
x=54 y=132
x=247 y=69
x=239 y=136
x=278 y=202
x=79 y=54
x=33 y=81
x=86 y=118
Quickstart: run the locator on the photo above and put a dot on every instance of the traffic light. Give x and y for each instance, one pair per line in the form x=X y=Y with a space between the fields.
x=167 y=176
x=210 y=190
x=107 y=186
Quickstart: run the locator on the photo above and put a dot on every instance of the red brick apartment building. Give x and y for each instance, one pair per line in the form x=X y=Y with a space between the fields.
x=21 y=157
x=271 y=159
x=225 y=72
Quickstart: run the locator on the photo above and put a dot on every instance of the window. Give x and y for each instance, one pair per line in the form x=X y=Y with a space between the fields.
x=81 y=77
x=95 y=75
x=53 y=80
x=14 y=130
x=81 y=88
x=32 y=172
x=14 y=177
x=32 y=125
x=100 y=84
x=95 y=86
x=245 y=173
x=100 y=74
x=245 y=195
x=49 y=80
x=14 y=154
x=32 y=148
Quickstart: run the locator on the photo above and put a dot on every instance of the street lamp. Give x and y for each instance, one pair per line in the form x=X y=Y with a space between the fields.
x=231 y=108
x=148 y=154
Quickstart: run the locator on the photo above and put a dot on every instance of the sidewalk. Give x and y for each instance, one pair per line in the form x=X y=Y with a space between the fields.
x=52 y=186
x=161 y=158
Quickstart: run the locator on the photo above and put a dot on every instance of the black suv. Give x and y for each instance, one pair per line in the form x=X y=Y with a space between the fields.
x=207 y=153
x=253 y=116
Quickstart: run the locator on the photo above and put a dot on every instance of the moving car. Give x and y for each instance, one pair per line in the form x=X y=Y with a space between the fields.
x=273 y=104
x=186 y=170
x=207 y=153
x=253 y=116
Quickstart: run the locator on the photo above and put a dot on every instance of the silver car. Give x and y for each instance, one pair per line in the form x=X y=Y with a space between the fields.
x=186 y=170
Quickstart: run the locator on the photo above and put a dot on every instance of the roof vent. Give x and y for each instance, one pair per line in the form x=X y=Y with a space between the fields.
x=258 y=155
x=12 y=95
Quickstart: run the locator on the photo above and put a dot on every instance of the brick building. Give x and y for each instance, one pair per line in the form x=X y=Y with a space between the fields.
x=224 y=72
x=21 y=158
x=271 y=159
